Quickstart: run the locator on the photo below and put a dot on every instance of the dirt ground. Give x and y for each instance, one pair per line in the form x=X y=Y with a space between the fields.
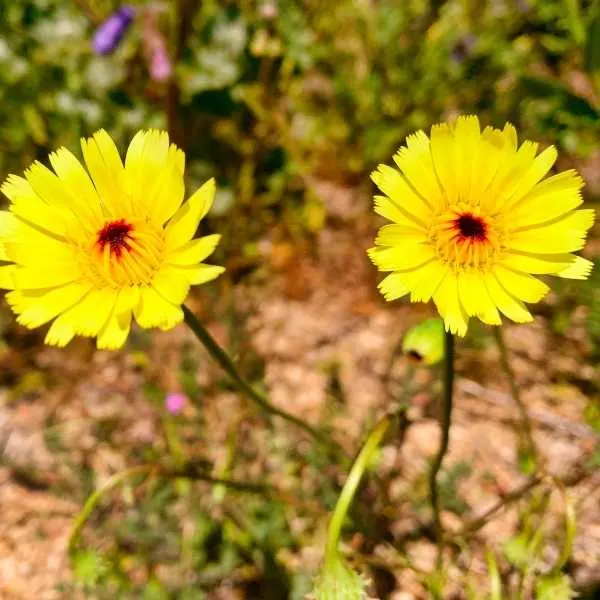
x=319 y=310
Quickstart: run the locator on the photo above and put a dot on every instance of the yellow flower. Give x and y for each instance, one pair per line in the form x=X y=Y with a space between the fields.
x=90 y=251
x=473 y=219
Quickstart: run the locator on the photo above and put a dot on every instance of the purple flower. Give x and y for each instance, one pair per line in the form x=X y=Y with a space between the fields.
x=111 y=32
x=174 y=402
x=160 y=64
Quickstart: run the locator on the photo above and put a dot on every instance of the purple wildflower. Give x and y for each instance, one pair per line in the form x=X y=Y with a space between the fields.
x=155 y=49
x=160 y=64
x=111 y=32
x=174 y=402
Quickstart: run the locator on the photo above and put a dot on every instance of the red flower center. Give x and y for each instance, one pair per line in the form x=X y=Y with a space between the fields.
x=470 y=227
x=115 y=235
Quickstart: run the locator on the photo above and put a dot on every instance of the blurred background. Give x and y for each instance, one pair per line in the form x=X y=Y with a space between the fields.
x=290 y=104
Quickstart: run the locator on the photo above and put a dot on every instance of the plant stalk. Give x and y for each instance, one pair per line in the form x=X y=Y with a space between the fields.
x=445 y=419
x=349 y=489
x=226 y=363
x=515 y=390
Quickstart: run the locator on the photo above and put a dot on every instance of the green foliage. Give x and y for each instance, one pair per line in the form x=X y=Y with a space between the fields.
x=554 y=587
x=338 y=581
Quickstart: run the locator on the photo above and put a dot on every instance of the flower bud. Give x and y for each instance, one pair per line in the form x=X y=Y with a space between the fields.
x=424 y=343
x=111 y=31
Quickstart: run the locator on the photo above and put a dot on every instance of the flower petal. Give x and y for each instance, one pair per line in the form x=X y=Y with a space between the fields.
x=153 y=310
x=475 y=298
x=36 y=307
x=507 y=304
x=416 y=164
x=183 y=225
x=392 y=288
x=521 y=285
x=564 y=235
x=194 y=251
x=391 y=182
x=202 y=273
x=107 y=172
x=447 y=300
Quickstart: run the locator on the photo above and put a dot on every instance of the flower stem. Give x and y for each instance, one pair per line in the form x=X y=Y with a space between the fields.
x=224 y=361
x=515 y=390
x=445 y=418
x=186 y=472
x=349 y=489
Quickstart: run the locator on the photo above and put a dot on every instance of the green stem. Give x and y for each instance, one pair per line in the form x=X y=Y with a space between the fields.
x=96 y=495
x=515 y=391
x=349 y=489
x=225 y=362
x=445 y=418
x=186 y=472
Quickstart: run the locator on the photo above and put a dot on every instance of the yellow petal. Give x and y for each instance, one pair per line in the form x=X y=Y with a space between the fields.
x=391 y=182
x=425 y=281
x=114 y=333
x=172 y=284
x=8 y=224
x=90 y=314
x=194 y=251
x=168 y=191
x=61 y=332
x=36 y=307
x=564 y=235
x=407 y=256
x=507 y=304
x=580 y=268
x=467 y=139
x=203 y=273
x=49 y=252
x=416 y=164
x=42 y=275
x=501 y=165
x=29 y=207
x=183 y=225
x=552 y=198
x=396 y=235
x=146 y=157
x=448 y=303
x=475 y=298
x=77 y=185
x=153 y=310
x=392 y=287
x=521 y=186
x=390 y=210
x=85 y=318
x=442 y=151
x=521 y=285
x=7 y=277
x=107 y=172
x=538 y=264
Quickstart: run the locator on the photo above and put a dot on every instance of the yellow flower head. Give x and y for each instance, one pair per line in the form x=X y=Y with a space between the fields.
x=473 y=219
x=90 y=251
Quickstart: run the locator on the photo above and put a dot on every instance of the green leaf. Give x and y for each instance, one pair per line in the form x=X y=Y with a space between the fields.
x=539 y=87
x=592 y=48
x=554 y=587
x=88 y=567
x=517 y=551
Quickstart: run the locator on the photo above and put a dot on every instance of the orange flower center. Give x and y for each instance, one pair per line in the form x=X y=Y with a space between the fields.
x=464 y=239
x=470 y=227
x=116 y=236
x=124 y=252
